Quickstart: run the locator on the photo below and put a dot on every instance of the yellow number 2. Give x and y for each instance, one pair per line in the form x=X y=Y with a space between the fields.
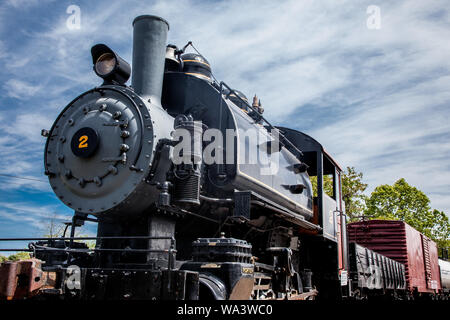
x=83 y=142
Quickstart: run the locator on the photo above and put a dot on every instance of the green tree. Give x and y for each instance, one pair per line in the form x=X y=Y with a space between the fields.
x=3 y=258
x=19 y=256
x=53 y=228
x=404 y=202
x=352 y=193
x=327 y=185
x=440 y=231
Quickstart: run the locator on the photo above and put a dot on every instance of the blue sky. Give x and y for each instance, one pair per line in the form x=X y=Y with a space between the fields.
x=378 y=100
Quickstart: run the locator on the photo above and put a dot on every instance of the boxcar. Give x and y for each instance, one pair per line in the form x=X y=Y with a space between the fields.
x=401 y=242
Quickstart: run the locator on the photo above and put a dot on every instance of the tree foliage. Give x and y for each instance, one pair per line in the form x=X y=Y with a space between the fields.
x=352 y=193
x=404 y=202
x=16 y=257
x=53 y=228
x=327 y=185
x=440 y=232
x=399 y=201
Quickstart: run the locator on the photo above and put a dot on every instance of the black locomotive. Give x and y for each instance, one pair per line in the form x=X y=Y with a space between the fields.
x=172 y=223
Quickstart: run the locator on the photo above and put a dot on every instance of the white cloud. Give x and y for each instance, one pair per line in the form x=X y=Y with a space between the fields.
x=35 y=218
x=3 y=52
x=29 y=126
x=21 y=4
x=20 y=89
x=397 y=135
x=24 y=208
x=31 y=214
x=384 y=93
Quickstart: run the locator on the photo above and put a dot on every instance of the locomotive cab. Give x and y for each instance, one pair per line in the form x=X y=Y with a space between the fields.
x=329 y=212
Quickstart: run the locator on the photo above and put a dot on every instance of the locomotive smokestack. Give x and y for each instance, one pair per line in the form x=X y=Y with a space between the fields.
x=149 y=50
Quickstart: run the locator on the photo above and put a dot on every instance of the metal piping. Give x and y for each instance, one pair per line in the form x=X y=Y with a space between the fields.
x=216 y=200
x=301 y=222
x=149 y=51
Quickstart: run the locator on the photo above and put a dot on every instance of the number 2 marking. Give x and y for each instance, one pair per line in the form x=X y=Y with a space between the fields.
x=83 y=142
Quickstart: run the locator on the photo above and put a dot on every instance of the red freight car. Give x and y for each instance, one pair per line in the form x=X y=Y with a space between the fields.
x=401 y=242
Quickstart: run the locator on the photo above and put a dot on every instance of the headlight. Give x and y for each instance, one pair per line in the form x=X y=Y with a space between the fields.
x=105 y=64
x=109 y=65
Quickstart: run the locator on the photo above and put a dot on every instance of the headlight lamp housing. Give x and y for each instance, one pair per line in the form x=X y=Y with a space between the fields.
x=109 y=66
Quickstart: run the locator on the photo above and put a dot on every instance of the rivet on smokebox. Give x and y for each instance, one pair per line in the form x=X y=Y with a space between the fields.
x=112 y=169
x=125 y=134
x=117 y=114
x=82 y=182
x=124 y=147
x=68 y=174
x=103 y=107
x=98 y=181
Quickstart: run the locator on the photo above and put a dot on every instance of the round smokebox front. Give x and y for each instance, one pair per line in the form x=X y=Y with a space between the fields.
x=99 y=150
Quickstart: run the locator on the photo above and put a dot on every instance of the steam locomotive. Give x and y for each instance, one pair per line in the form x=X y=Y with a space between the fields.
x=231 y=214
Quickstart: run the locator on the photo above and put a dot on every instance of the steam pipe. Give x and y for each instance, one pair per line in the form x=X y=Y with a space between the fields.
x=217 y=200
x=149 y=50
